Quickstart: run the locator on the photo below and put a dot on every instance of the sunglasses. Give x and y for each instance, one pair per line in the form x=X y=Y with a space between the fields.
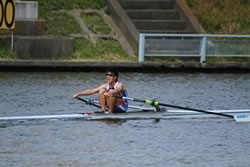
x=110 y=75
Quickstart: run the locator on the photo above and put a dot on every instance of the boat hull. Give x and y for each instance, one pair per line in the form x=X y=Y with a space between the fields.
x=170 y=114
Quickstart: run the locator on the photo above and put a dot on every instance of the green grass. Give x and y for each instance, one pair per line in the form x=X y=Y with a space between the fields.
x=95 y=23
x=84 y=49
x=5 y=51
x=45 y=6
x=222 y=16
x=103 y=50
x=61 y=24
x=4 y=32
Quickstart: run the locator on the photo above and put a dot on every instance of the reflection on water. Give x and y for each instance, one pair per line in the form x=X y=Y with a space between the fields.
x=175 y=142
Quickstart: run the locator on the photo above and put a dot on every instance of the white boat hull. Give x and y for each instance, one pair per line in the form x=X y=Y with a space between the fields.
x=170 y=114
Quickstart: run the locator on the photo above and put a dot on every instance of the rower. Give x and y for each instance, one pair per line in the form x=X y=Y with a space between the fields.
x=105 y=92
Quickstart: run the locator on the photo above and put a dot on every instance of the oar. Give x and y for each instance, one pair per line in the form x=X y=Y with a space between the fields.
x=238 y=118
x=89 y=102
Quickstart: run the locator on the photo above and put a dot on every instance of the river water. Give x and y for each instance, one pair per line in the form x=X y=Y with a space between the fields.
x=146 y=143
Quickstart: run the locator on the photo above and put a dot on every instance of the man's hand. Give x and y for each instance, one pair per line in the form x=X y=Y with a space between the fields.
x=108 y=94
x=75 y=96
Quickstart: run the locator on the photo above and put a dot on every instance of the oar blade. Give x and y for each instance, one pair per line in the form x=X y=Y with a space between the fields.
x=242 y=117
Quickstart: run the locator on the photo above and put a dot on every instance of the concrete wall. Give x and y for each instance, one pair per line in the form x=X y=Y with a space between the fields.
x=28 y=42
x=26 y=10
x=27 y=22
x=30 y=27
x=43 y=47
x=86 y=66
x=5 y=42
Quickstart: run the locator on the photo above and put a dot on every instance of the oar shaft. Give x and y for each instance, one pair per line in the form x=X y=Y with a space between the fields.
x=173 y=106
x=197 y=110
x=87 y=102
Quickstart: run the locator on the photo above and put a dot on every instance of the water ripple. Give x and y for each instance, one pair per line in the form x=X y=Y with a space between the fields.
x=175 y=142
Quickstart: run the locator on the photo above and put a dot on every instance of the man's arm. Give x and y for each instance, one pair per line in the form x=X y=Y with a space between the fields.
x=89 y=91
x=119 y=88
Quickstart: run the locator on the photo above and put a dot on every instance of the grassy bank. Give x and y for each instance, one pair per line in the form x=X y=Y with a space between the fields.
x=5 y=53
x=222 y=16
x=216 y=17
x=5 y=50
x=95 y=23
x=63 y=24
x=102 y=50
x=46 y=6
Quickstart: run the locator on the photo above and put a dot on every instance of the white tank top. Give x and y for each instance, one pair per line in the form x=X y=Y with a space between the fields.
x=108 y=87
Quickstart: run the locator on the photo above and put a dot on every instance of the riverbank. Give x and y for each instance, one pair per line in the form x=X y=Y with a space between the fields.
x=61 y=20
x=101 y=66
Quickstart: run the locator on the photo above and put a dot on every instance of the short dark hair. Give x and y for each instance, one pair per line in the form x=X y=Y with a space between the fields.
x=114 y=71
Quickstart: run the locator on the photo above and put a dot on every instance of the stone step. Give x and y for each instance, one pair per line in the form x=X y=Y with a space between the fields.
x=153 y=14
x=147 y=4
x=43 y=47
x=166 y=31
x=30 y=27
x=160 y=24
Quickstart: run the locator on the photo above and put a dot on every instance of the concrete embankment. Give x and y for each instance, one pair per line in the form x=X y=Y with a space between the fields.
x=86 y=66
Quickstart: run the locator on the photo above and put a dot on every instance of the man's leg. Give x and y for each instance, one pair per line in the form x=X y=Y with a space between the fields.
x=113 y=102
x=102 y=99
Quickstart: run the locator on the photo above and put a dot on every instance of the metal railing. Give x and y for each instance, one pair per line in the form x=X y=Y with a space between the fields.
x=193 y=45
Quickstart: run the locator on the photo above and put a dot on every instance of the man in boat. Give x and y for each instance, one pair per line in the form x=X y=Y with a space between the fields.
x=105 y=92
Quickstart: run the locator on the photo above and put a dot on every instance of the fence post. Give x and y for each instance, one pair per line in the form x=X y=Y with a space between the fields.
x=12 y=41
x=203 y=48
x=141 y=47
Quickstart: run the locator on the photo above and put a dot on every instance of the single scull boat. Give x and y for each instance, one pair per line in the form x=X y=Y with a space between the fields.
x=169 y=114
x=144 y=113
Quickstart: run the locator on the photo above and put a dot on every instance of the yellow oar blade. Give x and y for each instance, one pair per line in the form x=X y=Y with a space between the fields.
x=242 y=117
